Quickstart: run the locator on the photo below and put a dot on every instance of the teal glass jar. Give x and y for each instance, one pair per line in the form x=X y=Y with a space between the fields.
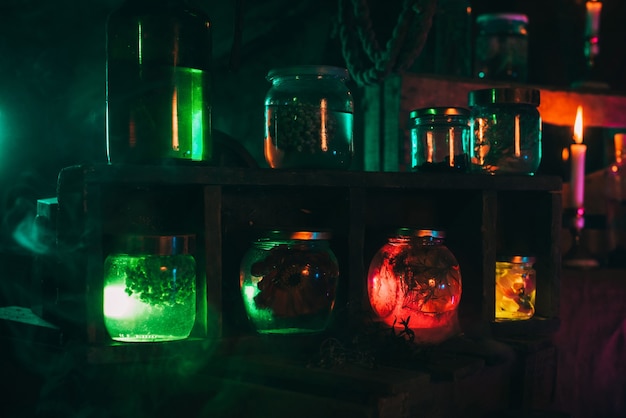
x=505 y=130
x=501 y=48
x=440 y=139
x=149 y=291
x=288 y=281
x=158 y=83
x=309 y=116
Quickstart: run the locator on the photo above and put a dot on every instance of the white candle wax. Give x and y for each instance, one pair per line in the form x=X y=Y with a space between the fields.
x=577 y=156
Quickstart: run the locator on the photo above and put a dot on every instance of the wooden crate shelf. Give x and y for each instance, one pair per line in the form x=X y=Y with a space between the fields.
x=482 y=215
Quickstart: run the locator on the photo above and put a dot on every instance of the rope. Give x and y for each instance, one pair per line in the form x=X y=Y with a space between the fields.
x=367 y=62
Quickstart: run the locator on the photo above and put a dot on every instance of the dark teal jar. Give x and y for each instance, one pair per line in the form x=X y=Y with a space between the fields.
x=308 y=118
x=440 y=139
x=505 y=131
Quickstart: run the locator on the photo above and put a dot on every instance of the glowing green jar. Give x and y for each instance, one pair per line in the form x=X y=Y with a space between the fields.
x=288 y=282
x=150 y=289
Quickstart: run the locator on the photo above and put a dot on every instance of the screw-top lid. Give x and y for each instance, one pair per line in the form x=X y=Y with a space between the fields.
x=501 y=95
x=502 y=17
x=439 y=111
x=517 y=259
x=308 y=70
x=414 y=232
x=157 y=244
x=300 y=234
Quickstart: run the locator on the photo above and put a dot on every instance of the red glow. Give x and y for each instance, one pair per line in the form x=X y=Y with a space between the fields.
x=416 y=290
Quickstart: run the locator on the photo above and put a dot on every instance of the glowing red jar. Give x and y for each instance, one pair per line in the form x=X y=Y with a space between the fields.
x=414 y=282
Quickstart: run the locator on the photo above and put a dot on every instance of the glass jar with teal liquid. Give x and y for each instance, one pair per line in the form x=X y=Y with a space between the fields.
x=149 y=291
x=505 y=130
x=288 y=281
x=309 y=115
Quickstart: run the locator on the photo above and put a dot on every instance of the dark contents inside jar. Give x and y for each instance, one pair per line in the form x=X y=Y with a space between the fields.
x=295 y=282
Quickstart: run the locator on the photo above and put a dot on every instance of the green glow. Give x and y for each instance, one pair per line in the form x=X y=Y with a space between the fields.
x=118 y=305
x=149 y=298
x=197 y=122
x=263 y=316
x=193 y=124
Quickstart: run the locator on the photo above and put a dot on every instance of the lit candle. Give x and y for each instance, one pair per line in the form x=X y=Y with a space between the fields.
x=518 y=151
x=578 y=151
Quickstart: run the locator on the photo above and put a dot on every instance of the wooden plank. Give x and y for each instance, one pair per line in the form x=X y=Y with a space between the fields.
x=349 y=381
x=394 y=146
x=213 y=261
x=489 y=230
x=556 y=254
x=372 y=128
x=157 y=176
x=358 y=284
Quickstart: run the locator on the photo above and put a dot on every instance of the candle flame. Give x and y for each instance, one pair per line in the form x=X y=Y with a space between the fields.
x=578 y=126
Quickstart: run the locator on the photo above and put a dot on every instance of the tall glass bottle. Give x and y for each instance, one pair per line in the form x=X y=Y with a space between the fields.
x=158 y=84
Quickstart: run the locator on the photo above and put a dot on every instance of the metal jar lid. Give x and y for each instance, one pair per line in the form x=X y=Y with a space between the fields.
x=504 y=95
x=515 y=24
x=308 y=70
x=517 y=259
x=300 y=234
x=439 y=111
x=157 y=244
x=419 y=233
x=506 y=17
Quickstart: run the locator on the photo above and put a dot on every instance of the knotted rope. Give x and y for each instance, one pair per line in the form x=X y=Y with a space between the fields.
x=367 y=62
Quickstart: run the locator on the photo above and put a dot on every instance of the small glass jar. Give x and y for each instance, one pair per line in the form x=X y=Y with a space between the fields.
x=414 y=283
x=149 y=289
x=309 y=115
x=288 y=281
x=505 y=130
x=516 y=284
x=440 y=139
x=501 y=49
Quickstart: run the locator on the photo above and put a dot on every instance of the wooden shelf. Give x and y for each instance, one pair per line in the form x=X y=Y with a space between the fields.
x=225 y=207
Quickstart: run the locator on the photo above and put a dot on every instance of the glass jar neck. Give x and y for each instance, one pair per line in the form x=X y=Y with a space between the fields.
x=290 y=243
x=422 y=241
x=510 y=265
